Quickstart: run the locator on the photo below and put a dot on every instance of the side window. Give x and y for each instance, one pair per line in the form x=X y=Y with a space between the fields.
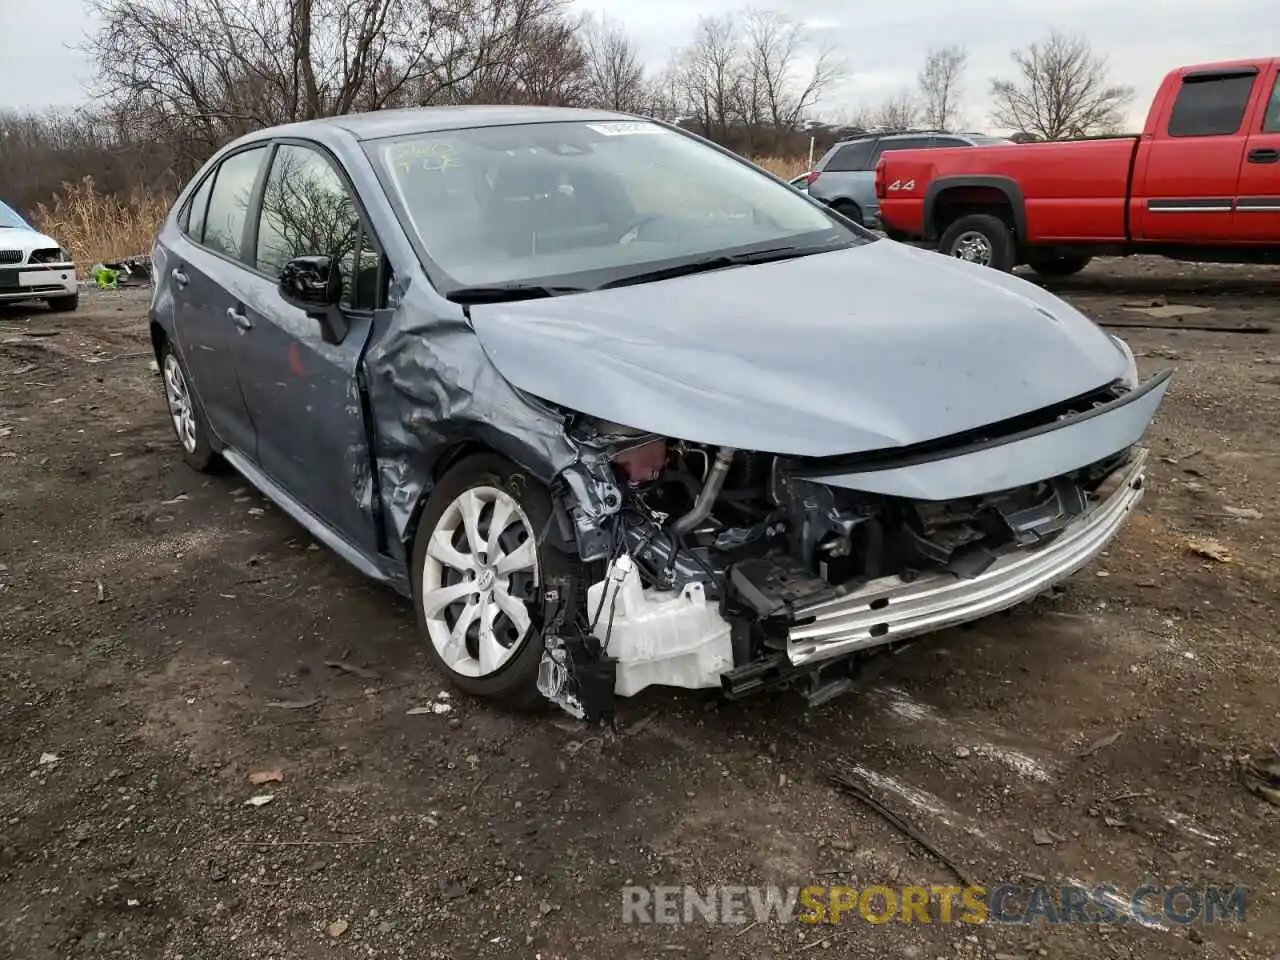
x=853 y=156
x=1211 y=106
x=950 y=142
x=307 y=210
x=902 y=143
x=229 y=201
x=193 y=217
x=1271 y=122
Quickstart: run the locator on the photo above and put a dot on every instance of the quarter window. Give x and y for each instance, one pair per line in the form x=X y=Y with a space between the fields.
x=229 y=201
x=193 y=225
x=307 y=210
x=1211 y=106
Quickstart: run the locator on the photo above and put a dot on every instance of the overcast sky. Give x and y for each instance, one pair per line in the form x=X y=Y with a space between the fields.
x=883 y=43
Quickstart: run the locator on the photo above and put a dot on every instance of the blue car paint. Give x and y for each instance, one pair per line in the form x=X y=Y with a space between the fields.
x=348 y=438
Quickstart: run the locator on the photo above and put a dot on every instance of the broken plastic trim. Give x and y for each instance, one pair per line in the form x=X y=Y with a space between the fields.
x=891 y=608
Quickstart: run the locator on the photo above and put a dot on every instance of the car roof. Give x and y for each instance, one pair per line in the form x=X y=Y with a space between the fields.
x=394 y=123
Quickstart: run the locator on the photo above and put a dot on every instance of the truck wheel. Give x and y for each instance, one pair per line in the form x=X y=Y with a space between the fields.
x=1059 y=266
x=847 y=208
x=980 y=238
x=477 y=575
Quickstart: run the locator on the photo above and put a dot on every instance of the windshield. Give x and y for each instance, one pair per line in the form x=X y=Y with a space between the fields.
x=583 y=204
x=9 y=220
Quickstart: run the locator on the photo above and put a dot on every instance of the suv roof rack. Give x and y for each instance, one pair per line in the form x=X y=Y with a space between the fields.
x=907 y=131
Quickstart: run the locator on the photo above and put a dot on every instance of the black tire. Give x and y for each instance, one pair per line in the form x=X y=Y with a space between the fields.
x=201 y=456
x=995 y=231
x=847 y=208
x=1059 y=266
x=514 y=684
x=64 y=304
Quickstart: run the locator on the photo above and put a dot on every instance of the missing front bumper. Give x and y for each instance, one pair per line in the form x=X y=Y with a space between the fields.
x=891 y=609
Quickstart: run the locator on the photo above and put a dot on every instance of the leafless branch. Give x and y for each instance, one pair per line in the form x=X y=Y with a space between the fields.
x=1061 y=90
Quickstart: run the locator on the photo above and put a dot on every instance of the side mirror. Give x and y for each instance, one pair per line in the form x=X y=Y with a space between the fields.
x=313 y=284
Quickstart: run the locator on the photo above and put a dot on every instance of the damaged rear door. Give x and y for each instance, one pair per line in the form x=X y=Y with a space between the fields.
x=305 y=393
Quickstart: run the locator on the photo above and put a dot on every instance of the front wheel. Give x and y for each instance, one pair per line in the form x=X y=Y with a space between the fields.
x=64 y=304
x=1059 y=266
x=982 y=239
x=477 y=573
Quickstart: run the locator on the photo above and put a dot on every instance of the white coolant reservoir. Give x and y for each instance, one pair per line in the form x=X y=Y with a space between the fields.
x=668 y=637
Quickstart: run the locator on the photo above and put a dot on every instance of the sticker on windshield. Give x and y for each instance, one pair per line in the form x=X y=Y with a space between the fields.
x=624 y=128
x=408 y=157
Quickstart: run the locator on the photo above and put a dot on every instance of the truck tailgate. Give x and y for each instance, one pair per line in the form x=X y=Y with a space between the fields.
x=1072 y=190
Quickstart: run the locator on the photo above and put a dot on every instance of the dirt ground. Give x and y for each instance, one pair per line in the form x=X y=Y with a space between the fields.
x=164 y=635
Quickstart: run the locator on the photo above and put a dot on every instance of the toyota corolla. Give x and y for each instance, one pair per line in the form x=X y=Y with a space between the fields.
x=617 y=408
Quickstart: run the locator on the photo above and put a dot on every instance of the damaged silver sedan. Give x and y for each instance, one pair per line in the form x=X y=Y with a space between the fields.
x=615 y=408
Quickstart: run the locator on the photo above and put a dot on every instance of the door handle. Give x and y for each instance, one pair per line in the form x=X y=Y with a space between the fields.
x=180 y=278
x=241 y=321
x=1264 y=155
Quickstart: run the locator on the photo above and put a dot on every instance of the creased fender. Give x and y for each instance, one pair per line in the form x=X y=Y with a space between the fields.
x=431 y=386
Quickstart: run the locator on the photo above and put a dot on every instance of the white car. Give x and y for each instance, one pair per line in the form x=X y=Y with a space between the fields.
x=33 y=266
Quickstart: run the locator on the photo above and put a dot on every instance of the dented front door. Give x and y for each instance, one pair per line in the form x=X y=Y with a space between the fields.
x=302 y=392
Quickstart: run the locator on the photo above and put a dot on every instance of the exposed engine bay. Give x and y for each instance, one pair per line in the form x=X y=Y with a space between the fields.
x=699 y=562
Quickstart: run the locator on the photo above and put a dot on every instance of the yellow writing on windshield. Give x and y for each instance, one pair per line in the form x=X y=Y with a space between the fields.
x=410 y=157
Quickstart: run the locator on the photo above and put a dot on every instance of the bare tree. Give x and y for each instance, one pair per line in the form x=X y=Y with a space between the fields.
x=899 y=112
x=711 y=76
x=614 y=74
x=199 y=72
x=479 y=50
x=665 y=95
x=940 y=86
x=782 y=88
x=1061 y=90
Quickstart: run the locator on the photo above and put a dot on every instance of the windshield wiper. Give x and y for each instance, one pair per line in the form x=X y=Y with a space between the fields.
x=720 y=261
x=506 y=292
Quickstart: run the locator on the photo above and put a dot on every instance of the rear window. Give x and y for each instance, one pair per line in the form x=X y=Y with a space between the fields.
x=1212 y=105
x=852 y=156
x=903 y=143
x=229 y=202
x=980 y=141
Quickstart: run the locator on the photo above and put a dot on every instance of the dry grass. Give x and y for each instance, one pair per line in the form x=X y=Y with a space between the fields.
x=785 y=167
x=101 y=227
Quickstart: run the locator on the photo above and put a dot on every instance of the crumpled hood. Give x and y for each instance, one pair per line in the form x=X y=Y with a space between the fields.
x=862 y=349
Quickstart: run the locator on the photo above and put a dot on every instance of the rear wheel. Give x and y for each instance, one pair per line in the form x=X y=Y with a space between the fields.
x=477 y=575
x=980 y=238
x=184 y=411
x=1059 y=266
x=847 y=208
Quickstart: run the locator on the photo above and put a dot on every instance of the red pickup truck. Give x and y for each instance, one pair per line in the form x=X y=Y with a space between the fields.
x=1202 y=182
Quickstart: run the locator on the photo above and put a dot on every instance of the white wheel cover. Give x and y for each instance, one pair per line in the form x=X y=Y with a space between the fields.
x=478 y=577
x=179 y=397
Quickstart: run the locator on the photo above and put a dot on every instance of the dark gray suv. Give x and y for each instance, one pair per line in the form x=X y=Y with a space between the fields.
x=844 y=178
